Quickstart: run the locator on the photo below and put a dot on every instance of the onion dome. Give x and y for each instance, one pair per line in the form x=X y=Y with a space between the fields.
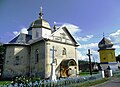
x=40 y=23
x=105 y=43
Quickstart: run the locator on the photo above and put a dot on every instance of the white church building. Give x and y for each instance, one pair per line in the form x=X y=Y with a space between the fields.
x=30 y=54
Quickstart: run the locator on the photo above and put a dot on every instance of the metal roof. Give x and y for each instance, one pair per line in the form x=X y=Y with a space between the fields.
x=105 y=43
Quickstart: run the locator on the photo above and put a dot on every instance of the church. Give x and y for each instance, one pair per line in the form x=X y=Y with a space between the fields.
x=30 y=55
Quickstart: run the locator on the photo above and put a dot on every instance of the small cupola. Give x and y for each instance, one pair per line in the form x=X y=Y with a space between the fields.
x=39 y=28
x=40 y=22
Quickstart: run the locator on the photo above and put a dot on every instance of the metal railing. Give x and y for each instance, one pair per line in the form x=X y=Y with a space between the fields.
x=117 y=72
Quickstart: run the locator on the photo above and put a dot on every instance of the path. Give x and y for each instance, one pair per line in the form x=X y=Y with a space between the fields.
x=114 y=82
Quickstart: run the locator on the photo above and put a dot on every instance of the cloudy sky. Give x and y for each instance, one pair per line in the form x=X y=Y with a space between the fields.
x=87 y=20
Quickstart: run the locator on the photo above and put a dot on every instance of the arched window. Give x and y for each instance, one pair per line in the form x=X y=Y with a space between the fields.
x=64 y=51
x=36 y=56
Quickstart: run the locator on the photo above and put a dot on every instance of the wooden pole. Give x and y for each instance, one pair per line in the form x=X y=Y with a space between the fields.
x=90 y=64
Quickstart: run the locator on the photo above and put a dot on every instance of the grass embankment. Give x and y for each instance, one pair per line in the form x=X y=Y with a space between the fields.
x=90 y=83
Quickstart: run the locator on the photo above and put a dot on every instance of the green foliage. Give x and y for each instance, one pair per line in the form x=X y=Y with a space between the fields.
x=118 y=58
x=2 y=50
x=19 y=80
x=4 y=83
x=84 y=66
x=82 y=62
x=33 y=79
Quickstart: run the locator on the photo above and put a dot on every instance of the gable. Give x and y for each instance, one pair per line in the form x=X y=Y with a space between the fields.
x=63 y=35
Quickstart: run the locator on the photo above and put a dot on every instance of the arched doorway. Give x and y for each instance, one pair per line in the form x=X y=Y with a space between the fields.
x=68 y=68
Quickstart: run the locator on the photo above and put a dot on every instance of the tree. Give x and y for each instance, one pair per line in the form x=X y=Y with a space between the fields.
x=1 y=52
x=118 y=58
x=1 y=57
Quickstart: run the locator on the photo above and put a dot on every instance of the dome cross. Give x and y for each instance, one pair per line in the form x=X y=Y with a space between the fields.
x=41 y=13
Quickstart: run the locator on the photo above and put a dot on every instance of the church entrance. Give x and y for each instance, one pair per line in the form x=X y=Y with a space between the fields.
x=68 y=68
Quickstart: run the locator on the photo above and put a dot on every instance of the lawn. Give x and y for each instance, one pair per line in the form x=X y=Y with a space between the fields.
x=87 y=73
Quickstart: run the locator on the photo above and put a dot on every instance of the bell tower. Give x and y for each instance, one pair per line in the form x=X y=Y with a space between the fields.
x=107 y=54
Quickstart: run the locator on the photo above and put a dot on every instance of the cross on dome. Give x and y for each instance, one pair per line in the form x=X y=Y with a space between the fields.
x=41 y=13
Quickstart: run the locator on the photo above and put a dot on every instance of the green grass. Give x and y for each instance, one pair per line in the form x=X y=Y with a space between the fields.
x=91 y=83
x=87 y=73
x=117 y=76
x=4 y=82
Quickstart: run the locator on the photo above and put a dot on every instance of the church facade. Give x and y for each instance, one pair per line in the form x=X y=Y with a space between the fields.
x=30 y=54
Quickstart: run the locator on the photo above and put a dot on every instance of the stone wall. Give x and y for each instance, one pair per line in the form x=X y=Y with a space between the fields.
x=16 y=61
x=37 y=67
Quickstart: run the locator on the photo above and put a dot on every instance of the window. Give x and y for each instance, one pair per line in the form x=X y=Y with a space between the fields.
x=37 y=34
x=36 y=56
x=64 y=51
x=17 y=60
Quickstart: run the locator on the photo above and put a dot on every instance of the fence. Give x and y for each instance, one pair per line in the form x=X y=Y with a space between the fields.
x=117 y=72
x=63 y=82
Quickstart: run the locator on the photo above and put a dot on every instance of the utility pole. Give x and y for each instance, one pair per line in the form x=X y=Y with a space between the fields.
x=90 y=64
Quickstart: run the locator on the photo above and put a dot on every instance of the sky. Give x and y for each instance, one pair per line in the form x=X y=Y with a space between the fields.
x=87 y=20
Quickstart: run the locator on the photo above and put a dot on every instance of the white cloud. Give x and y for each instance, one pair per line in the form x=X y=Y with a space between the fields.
x=23 y=30
x=89 y=46
x=94 y=57
x=116 y=46
x=72 y=28
x=15 y=33
x=80 y=56
x=115 y=37
x=88 y=37
x=116 y=34
x=83 y=50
